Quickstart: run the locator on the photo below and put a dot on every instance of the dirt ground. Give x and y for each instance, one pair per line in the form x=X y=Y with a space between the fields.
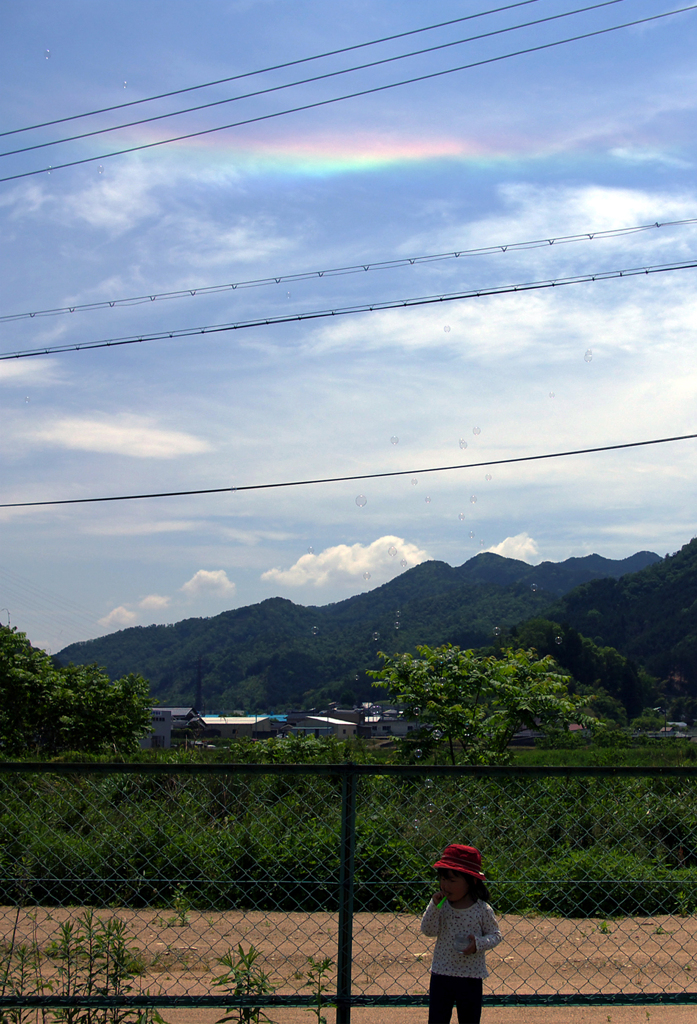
x=538 y=955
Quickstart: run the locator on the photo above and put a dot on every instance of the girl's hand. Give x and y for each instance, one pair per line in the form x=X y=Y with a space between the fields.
x=470 y=948
x=437 y=897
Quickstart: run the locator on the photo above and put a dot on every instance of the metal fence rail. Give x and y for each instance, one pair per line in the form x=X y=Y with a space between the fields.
x=124 y=888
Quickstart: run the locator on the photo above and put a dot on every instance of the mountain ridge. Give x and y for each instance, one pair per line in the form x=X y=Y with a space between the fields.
x=277 y=652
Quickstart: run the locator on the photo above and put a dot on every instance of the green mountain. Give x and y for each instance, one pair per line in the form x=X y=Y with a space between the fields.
x=650 y=616
x=277 y=654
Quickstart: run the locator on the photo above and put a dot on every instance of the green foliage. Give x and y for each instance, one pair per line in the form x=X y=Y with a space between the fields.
x=477 y=703
x=648 y=721
x=316 y=981
x=45 y=709
x=91 y=956
x=243 y=977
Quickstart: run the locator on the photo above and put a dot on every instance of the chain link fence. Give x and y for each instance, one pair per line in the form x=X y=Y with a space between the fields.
x=125 y=888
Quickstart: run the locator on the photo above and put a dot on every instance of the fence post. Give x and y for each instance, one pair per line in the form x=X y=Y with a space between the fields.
x=348 y=847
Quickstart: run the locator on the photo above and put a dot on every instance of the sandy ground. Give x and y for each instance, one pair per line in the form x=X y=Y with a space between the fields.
x=538 y=955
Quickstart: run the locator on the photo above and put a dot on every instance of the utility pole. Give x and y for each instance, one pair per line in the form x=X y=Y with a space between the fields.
x=199 y=688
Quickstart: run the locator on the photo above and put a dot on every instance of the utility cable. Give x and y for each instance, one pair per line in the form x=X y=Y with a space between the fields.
x=366 y=307
x=347 y=96
x=307 y=81
x=312 y=275
x=356 y=476
x=263 y=71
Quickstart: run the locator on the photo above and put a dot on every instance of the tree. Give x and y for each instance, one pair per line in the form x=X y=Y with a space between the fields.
x=47 y=709
x=479 y=702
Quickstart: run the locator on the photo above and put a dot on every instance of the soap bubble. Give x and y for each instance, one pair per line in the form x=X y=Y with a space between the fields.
x=437 y=734
x=481 y=543
x=471 y=534
x=414 y=481
x=559 y=639
x=416 y=712
x=361 y=500
x=394 y=439
x=428 y=784
x=447 y=329
x=315 y=630
x=418 y=753
x=461 y=516
x=101 y=168
x=476 y=431
x=497 y=631
x=396 y=625
x=533 y=587
x=431 y=808
x=26 y=400
x=47 y=54
x=397 y=613
x=473 y=499
x=488 y=476
x=366 y=575
x=310 y=550
x=427 y=500
x=551 y=394
x=125 y=84
x=589 y=355
x=376 y=635
x=356 y=677
x=287 y=295
x=463 y=443
x=49 y=168
x=392 y=551
x=404 y=563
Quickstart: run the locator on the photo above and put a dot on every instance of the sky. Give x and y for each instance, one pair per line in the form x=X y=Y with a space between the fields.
x=565 y=142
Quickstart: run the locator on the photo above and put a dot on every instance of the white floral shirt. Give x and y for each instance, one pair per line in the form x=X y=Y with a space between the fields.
x=451 y=928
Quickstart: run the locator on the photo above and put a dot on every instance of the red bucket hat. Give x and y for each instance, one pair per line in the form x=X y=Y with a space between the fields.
x=457 y=857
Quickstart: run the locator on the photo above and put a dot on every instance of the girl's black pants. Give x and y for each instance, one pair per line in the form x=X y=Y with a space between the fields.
x=447 y=991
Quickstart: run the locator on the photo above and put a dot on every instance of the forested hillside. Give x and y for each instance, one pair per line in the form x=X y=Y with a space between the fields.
x=651 y=616
x=278 y=654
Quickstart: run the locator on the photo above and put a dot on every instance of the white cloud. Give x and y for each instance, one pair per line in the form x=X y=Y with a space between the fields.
x=344 y=562
x=120 y=529
x=120 y=616
x=154 y=601
x=125 y=435
x=521 y=546
x=643 y=156
x=117 y=201
x=38 y=372
x=209 y=581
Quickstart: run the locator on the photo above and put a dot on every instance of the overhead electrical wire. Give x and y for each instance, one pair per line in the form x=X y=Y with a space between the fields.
x=315 y=78
x=272 y=67
x=358 y=268
x=347 y=96
x=365 y=307
x=352 y=477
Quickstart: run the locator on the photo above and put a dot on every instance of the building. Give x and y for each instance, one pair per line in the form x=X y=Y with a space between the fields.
x=160 y=735
x=235 y=727
x=324 y=725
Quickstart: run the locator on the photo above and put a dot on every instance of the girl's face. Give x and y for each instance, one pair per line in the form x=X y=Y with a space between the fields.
x=453 y=884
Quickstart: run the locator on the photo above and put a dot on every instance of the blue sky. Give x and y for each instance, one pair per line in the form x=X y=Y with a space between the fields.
x=586 y=137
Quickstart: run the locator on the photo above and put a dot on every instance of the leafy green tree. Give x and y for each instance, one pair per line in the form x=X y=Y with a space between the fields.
x=479 y=702
x=48 y=709
x=648 y=721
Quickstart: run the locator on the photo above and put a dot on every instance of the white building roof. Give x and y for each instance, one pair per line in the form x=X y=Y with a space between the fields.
x=235 y=719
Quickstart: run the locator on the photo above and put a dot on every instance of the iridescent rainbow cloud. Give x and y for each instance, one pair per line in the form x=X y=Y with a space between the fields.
x=326 y=155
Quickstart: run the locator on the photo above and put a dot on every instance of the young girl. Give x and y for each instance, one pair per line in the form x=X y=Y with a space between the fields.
x=460 y=917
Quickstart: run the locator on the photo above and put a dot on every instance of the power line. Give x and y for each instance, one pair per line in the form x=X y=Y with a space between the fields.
x=273 y=67
x=357 y=476
x=308 y=81
x=367 y=307
x=310 y=275
x=347 y=96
